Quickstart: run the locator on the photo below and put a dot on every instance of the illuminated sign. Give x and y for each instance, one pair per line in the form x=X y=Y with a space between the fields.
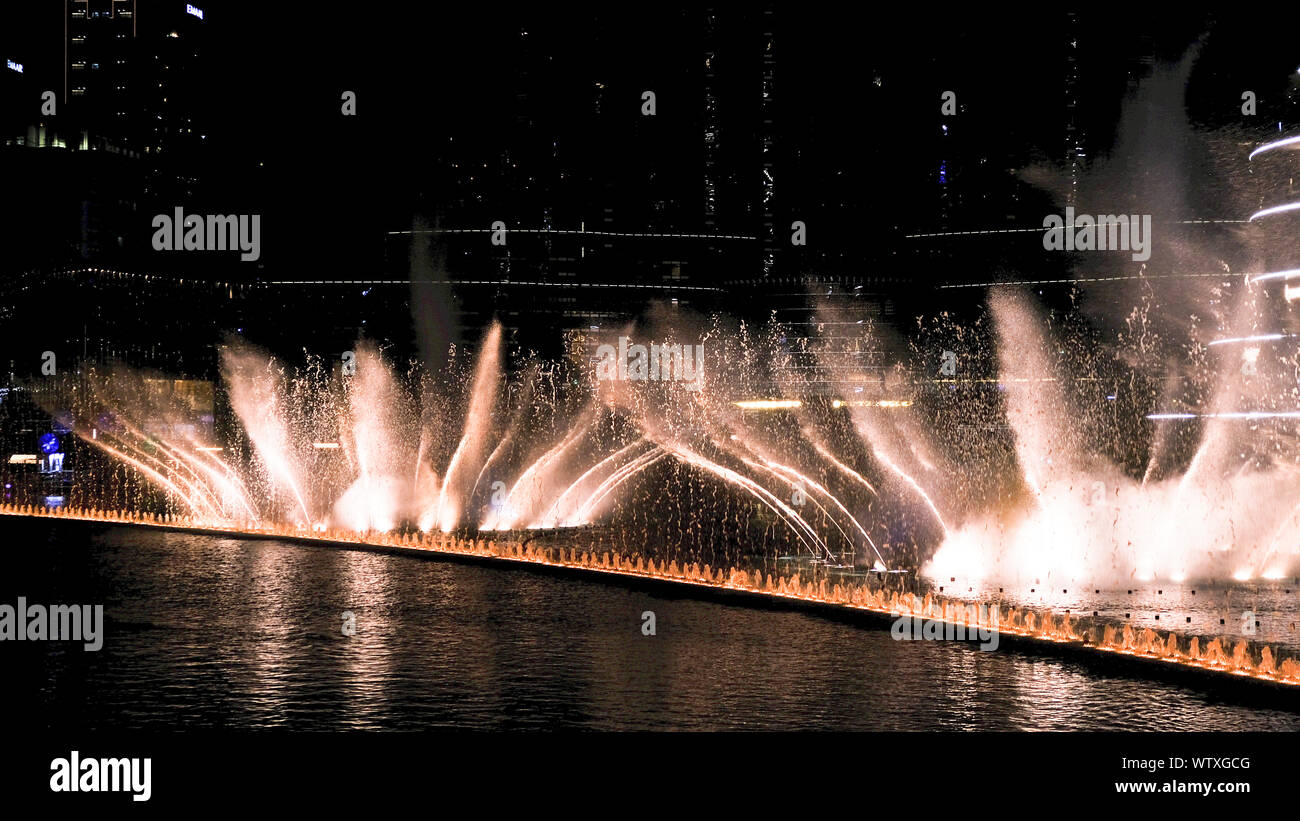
x=49 y=443
x=195 y=11
x=18 y=67
x=24 y=459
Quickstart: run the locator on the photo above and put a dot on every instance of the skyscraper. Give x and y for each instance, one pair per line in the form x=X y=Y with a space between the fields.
x=131 y=84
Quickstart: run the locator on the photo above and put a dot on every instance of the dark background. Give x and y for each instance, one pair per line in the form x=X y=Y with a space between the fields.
x=532 y=115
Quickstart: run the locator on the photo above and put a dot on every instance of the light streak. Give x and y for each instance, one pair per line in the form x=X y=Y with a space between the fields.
x=1289 y=141
x=1242 y=415
x=872 y=403
x=1287 y=274
x=1258 y=338
x=1276 y=209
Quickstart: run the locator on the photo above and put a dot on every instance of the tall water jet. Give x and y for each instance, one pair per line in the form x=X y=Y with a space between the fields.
x=256 y=397
x=474 y=446
x=374 y=434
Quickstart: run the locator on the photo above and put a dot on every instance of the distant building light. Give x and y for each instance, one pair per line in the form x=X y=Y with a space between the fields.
x=24 y=459
x=325 y=445
x=195 y=11
x=18 y=67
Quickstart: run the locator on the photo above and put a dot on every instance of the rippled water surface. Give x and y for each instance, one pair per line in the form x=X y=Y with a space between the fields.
x=211 y=632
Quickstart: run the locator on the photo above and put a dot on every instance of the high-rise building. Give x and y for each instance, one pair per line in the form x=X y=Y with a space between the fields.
x=100 y=70
x=131 y=83
x=1074 y=152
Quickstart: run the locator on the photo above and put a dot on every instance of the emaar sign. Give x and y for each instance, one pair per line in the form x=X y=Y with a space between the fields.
x=197 y=12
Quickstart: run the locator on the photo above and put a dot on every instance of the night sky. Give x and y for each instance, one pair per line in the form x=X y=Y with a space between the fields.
x=856 y=107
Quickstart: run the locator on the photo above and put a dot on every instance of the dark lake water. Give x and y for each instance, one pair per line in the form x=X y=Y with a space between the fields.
x=206 y=632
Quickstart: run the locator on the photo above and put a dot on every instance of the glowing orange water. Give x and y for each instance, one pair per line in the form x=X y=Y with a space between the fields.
x=1240 y=660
